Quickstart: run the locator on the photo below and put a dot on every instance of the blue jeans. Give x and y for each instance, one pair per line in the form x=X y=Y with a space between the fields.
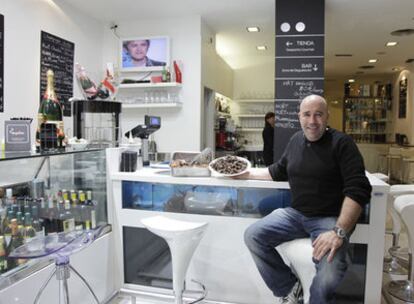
x=286 y=224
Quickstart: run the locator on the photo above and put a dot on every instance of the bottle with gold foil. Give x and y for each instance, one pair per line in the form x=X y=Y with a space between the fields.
x=50 y=117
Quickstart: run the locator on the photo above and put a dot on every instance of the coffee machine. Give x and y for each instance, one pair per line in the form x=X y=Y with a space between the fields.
x=152 y=124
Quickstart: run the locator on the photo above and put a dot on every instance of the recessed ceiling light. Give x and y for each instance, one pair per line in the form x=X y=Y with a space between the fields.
x=351 y=80
x=253 y=29
x=391 y=43
x=372 y=60
x=396 y=69
x=261 y=48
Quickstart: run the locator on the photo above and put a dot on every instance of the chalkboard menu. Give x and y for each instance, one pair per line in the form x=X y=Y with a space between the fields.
x=299 y=70
x=402 y=103
x=57 y=54
x=1 y=62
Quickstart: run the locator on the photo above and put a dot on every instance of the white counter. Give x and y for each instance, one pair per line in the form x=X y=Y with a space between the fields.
x=222 y=262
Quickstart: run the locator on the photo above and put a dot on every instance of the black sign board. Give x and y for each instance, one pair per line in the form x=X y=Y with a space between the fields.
x=299 y=70
x=57 y=54
x=1 y=63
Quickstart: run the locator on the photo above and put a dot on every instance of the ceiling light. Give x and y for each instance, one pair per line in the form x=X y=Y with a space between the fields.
x=372 y=60
x=351 y=80
x=391 y=43
x=396 y=69
x=253 y=29
x=261 y=48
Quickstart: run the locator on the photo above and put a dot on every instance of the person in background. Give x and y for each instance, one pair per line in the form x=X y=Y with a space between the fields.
x=268 y=136
x=135 y=54
x=329 y=189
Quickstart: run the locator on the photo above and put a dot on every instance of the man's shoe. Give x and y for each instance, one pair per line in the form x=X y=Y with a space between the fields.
x=295 y=296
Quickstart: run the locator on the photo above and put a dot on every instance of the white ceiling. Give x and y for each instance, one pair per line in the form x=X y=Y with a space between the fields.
x=356 y=27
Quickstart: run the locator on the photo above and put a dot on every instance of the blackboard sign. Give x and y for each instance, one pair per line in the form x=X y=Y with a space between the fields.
x=57 y=54
x=1 y=62
x=299 y=65
x=402 y=103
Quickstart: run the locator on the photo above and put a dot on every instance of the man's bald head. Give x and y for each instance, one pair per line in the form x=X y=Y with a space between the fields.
x=313 y=116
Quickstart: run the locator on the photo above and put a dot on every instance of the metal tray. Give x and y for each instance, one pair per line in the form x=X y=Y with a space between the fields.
x=195 y=171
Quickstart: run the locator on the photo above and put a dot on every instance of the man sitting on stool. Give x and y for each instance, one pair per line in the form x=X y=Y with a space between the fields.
x=329 y=188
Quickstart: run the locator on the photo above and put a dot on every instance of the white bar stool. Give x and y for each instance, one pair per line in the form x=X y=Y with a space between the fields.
x=404 y=289
x=297 y=254
x=392 y=265
x=182 y=238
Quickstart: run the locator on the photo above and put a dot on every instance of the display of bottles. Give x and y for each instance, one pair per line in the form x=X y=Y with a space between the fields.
x=50 y=118
x=24 y=218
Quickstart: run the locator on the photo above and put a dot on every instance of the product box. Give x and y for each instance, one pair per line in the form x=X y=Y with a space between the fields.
x=17 y=135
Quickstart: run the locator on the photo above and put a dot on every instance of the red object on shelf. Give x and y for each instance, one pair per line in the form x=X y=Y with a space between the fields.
x=156 y=79
x=221 y=139
x=178 y=75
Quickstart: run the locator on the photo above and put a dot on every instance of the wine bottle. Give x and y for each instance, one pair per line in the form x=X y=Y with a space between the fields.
x=50 y=112
x=3 y=259
x=29 y=231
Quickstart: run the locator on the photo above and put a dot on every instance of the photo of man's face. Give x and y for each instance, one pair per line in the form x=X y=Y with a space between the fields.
x=137 y=49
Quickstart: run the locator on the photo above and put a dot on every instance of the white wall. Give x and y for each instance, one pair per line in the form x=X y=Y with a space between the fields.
x=23 y=22
x=404 y=125
x=180 y=127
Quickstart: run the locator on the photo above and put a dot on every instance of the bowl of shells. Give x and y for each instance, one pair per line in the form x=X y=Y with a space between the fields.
x=229 y=166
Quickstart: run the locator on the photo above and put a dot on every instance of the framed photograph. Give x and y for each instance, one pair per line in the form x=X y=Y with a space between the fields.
x=141 y=54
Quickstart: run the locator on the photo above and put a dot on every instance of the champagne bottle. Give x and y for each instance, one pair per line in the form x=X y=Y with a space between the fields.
x=91 y=204
x=16 y=242
x=7 y=227
x=50 y=111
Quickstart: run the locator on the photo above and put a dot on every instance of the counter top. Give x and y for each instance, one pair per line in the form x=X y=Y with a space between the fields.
x=163 y=176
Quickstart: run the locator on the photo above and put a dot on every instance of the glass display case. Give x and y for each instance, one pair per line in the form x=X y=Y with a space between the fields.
x=43 y=194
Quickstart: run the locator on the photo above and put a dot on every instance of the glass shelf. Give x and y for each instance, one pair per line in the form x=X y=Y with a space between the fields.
x=10 y=155
x=157 y=85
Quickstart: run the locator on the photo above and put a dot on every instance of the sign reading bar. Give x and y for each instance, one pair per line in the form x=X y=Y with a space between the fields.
x=1 y=62
x=57 y=54
x=299 y=70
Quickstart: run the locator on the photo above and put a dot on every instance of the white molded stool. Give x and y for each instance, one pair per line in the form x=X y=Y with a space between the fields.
x=297 y=254
x=404 y=289
x=392 y=266
x=182 y=238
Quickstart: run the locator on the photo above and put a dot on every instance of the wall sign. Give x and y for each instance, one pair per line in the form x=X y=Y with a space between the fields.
x=1 y=63
x=57 y=54
x=402 y=103
x=299 y=70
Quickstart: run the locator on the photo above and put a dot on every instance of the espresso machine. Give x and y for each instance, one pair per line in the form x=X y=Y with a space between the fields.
x=151 y=124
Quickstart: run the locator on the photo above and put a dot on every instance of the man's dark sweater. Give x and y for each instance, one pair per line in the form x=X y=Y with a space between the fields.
x=322 y=173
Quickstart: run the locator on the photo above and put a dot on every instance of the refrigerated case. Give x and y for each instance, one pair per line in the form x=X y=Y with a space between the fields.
x=35 y=187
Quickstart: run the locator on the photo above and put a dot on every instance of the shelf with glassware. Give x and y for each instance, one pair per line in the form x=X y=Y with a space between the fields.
x=368 y=119
x=150 y=95
x=46 y=194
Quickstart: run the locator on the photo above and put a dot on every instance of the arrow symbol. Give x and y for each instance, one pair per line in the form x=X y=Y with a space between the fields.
x=288 y=43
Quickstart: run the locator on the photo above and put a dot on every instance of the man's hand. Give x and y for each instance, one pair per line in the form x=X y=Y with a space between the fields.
x=324 y=243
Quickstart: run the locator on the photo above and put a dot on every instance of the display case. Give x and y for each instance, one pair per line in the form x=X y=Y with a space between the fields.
x=368 y=116
x=44 y=194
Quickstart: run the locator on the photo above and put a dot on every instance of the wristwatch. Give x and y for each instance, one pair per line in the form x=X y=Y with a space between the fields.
x=340 y=232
